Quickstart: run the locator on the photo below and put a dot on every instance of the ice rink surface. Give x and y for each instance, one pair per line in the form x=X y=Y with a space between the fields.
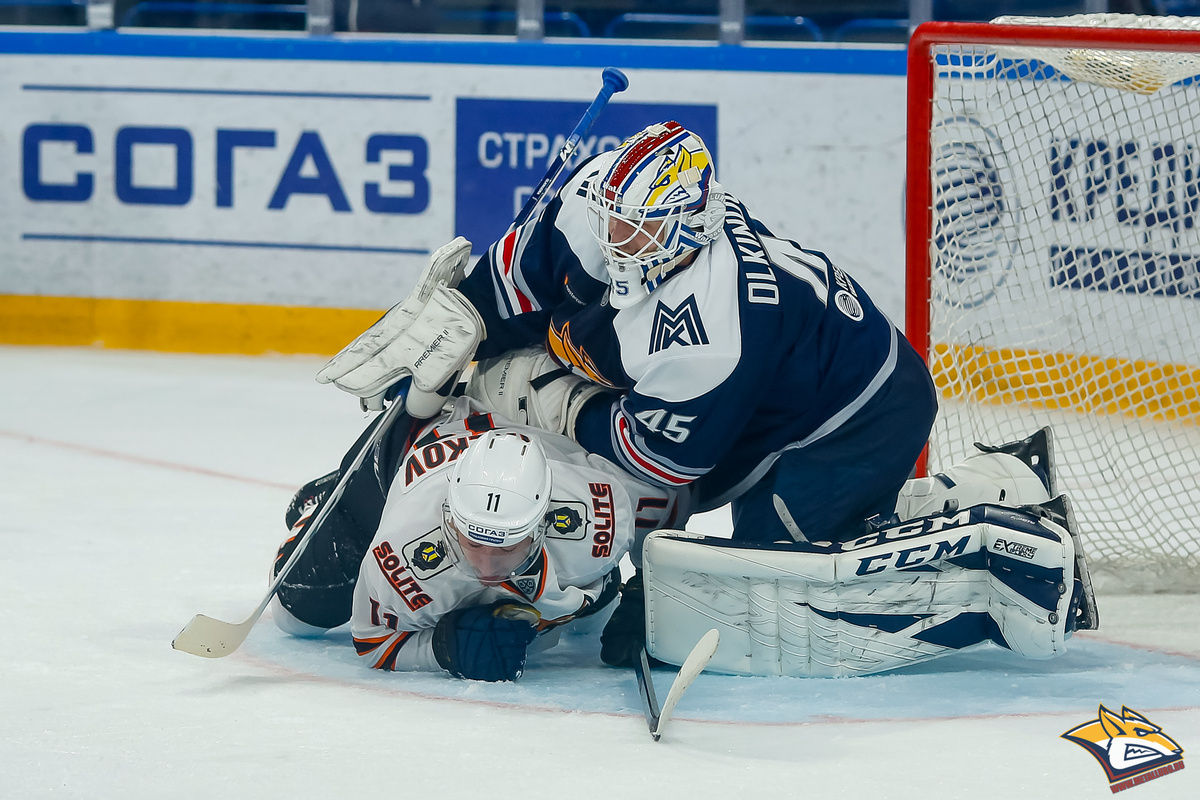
x=137 y=489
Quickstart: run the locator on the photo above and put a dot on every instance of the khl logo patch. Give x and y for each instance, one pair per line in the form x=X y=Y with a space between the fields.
x=680 y=326
x=1130 y=748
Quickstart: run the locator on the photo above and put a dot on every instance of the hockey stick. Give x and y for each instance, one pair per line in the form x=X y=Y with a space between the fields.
x=212 y=638
x=693 y=665
x=614 y=81
x=641 y=668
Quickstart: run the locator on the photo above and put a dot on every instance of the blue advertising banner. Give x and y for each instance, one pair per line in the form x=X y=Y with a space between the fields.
x=503 y=148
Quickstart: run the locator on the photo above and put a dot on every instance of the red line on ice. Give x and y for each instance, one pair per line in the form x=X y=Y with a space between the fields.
x=143 y=460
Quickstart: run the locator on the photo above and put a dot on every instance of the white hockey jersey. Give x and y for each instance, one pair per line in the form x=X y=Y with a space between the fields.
x=406 y=582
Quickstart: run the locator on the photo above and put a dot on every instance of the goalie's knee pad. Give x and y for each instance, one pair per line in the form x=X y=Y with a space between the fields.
x=900 y=595
x=1036 y=451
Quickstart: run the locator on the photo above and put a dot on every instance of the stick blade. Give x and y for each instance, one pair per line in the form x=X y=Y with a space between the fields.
x=641 y=669
x=693 y=665
x=211 y=638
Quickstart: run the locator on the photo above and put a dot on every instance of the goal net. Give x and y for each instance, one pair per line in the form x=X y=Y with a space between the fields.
x=1054 y=265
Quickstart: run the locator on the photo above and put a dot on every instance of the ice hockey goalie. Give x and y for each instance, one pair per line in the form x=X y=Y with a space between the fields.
x=978 y=554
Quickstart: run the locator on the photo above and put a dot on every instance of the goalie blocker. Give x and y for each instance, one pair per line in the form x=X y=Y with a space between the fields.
x=900 y=595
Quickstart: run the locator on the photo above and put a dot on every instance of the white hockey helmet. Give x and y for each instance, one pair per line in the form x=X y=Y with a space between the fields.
x=495 y=515
x=657 y=203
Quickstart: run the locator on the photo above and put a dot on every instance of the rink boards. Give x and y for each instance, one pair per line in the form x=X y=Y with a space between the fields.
x=245 y=194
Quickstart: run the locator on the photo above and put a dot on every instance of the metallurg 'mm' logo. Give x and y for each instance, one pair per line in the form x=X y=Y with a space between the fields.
x=1130 y=748
x=680 y=326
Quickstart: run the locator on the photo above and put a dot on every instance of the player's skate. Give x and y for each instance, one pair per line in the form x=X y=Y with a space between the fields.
x=1036 y=451
x=1084 y=615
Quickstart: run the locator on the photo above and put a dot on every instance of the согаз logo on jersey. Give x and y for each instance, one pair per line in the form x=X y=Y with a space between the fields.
x=680 y=326
x=1130 y=748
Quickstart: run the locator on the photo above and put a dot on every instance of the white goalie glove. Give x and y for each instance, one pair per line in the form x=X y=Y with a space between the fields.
x=528 y=387
x=432 y=335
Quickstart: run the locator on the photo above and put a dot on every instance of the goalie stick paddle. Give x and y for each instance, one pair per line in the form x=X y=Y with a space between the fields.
x=693 y=665
x=211 y=638
x=614 y=81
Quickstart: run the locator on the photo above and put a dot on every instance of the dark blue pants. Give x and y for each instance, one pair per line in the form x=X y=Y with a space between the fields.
x=834 y=484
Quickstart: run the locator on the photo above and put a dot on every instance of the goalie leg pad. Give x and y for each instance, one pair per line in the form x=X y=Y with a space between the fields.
x=290 y=624
x=1031 y=571
x=899 y=596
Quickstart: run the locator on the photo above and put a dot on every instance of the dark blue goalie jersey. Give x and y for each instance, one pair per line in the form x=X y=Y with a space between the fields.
x=759 y=345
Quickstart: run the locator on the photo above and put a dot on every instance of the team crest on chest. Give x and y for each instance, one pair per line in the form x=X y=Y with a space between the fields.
x=574 y=357
x=680 y=325
x=426 y=555
x=568 y=520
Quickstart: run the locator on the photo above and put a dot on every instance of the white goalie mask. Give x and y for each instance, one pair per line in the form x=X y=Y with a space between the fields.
x=655 y=205
x=495 y=515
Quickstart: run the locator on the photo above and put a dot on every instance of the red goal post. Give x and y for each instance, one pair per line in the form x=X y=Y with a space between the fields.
x=1053 y=265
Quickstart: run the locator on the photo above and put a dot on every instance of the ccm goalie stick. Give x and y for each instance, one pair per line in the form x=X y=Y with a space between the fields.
x=693 y=665
x=212 y=638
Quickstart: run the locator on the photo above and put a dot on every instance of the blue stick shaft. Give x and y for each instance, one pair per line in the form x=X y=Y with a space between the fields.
x=614 y=81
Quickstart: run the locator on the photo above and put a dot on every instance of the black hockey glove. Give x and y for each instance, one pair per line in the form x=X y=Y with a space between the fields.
x=624 y=634
x=485 y=643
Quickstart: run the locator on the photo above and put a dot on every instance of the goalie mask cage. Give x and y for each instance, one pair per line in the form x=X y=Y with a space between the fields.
x=1053 y=218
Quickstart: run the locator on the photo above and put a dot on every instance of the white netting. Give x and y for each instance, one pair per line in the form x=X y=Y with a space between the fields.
x=1143 y=72
x=1065 y=287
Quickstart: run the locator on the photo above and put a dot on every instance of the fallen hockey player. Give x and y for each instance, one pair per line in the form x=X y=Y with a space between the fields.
x=983 y=552
x=467 y=540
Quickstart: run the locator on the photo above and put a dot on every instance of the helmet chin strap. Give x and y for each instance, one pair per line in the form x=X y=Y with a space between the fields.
x=707 y=220
x=660 y=272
